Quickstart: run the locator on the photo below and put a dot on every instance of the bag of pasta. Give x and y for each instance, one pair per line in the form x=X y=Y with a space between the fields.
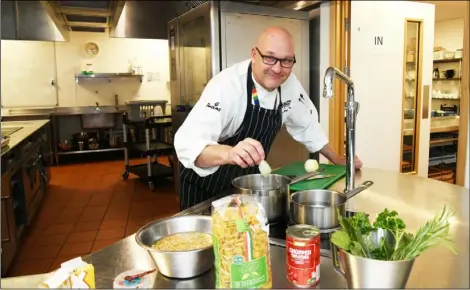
x=241 y=245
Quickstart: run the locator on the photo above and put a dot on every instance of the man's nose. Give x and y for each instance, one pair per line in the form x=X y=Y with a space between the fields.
x=277 y=67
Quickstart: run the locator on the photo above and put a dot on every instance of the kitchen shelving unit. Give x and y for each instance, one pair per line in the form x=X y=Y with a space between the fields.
x=153 y=144
x=443 y=143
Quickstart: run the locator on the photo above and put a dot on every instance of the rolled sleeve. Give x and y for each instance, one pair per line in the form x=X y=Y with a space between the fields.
x=203 y=127
x=303 y=125
x=187 y=152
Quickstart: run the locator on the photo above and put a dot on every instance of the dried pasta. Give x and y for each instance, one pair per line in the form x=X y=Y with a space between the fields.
x=241 y=245
x=183 y=242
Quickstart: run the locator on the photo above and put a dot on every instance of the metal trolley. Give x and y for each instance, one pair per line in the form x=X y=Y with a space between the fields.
x=157 y=141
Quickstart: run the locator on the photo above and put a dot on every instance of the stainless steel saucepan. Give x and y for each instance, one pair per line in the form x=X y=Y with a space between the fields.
x=318 y=207
x=271 y=191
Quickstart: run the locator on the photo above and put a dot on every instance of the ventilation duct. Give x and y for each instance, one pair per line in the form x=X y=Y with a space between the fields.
x=31 y=20
x=148 y=19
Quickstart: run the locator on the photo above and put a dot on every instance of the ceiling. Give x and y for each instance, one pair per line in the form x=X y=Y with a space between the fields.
x=89 y=16
x=100 y=16
x=447 y=10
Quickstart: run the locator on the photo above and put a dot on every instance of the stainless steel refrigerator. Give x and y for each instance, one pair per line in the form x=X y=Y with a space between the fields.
x=216 y=35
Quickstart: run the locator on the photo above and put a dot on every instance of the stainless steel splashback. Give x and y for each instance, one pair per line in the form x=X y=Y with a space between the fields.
x=31 y=20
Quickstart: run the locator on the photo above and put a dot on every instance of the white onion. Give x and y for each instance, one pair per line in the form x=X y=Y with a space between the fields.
x=264 y=168
x=311 y=165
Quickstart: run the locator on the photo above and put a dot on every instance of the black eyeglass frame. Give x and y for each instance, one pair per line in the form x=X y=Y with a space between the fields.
x=275 y=59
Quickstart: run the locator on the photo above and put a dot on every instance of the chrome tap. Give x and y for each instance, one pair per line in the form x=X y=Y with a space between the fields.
x=351 y=108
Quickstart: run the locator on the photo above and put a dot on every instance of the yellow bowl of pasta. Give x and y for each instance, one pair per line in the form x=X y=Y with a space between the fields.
x=181 y=246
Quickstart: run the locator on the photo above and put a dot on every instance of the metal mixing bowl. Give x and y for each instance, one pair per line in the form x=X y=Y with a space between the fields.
x=184 y=264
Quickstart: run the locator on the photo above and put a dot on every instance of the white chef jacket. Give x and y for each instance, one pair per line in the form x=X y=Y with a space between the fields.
x=221 y=108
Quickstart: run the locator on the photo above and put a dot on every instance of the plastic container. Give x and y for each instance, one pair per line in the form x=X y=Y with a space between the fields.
x=145 y=282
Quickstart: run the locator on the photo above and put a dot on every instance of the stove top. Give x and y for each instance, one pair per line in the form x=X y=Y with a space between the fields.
x=277 y=233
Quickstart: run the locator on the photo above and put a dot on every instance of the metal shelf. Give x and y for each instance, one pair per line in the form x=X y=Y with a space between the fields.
x=445 y=79
x=447 y=60
x=106 y=76
x=90 y=151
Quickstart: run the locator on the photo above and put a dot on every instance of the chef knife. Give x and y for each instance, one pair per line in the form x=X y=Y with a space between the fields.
x=322 y=176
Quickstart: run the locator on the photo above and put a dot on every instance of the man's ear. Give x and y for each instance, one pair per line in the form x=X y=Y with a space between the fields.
x=253 y=54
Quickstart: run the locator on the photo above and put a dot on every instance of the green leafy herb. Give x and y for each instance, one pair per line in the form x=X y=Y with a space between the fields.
x=387 y=239
x=361 y=221
x=433 y=233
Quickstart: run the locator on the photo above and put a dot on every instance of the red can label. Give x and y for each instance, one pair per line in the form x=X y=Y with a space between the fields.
x=303 y=255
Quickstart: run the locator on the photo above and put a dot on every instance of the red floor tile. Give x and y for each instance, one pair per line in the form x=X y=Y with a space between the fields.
x=86 y=208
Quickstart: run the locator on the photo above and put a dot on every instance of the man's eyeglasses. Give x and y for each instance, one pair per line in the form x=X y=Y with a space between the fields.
x=271 y=60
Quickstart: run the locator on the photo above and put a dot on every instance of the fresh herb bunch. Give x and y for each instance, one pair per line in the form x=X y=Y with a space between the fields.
x=358 y=237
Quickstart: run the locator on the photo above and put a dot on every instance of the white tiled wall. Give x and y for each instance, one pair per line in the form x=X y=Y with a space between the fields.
x=114 y=56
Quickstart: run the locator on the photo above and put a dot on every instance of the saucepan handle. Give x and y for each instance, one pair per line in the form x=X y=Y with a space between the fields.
x=336 y=265
x=364 y=185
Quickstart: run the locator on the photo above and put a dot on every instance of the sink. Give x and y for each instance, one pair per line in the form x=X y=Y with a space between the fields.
x=10 y=130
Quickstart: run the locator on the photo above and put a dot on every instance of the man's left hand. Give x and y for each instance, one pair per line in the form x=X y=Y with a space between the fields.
x=357 y=162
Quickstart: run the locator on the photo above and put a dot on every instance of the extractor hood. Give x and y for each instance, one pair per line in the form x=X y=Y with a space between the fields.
x=148 y=19
x=31 y=20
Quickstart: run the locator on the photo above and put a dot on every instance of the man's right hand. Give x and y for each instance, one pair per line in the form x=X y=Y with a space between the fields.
x=248 y=152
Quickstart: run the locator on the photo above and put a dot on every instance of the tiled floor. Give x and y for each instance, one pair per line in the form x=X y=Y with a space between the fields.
x=88 y=207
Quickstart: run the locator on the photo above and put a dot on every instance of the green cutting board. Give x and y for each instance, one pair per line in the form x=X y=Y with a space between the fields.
x=297 y=169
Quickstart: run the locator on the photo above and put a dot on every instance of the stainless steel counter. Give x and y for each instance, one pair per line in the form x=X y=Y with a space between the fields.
x=66 y=111
x=415 y=198
x=28 y=128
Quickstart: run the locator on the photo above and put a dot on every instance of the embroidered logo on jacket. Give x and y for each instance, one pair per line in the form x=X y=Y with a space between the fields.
x=215 y=106
x=286 y=106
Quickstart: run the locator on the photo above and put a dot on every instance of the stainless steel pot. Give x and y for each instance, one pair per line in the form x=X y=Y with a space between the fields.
x=181 y=265
x=318 y=207
x=272 y=191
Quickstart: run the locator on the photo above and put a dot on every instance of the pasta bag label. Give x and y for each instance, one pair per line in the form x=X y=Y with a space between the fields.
x=241 y=245
x=250 y=274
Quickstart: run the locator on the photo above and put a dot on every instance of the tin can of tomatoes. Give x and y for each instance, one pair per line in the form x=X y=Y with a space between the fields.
x=303 y=255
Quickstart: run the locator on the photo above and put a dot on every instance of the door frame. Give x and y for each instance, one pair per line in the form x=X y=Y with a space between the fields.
x=464 y=102
x=419 y=97
x=340 y=51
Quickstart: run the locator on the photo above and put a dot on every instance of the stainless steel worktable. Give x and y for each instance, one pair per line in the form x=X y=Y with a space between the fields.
x=415 y=198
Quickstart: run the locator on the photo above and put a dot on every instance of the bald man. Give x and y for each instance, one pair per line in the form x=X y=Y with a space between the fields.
x=233 y=125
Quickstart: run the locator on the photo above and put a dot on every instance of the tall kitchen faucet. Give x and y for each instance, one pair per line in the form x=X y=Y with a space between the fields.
x=351 y=107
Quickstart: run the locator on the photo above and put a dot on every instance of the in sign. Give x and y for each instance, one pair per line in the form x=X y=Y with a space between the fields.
x=378 y=40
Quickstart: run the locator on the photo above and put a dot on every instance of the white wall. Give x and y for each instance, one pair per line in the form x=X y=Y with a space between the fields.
x=377 y=72
x=69 y=59
x=449 y=34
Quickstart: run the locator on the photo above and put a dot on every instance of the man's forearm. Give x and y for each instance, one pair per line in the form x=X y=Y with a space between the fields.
x=330 y=154
x=213 y=155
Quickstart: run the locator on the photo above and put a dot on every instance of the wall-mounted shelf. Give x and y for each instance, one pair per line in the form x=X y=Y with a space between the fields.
x=106 y=77
x=447 y=60
x=445 y=79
